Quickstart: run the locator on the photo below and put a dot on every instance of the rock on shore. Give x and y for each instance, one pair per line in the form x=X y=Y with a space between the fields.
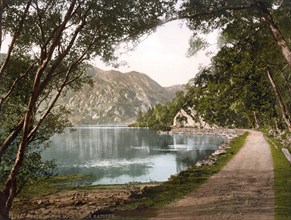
x=228 y=133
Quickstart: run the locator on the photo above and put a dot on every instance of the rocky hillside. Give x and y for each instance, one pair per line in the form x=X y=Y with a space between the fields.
x=116 y=98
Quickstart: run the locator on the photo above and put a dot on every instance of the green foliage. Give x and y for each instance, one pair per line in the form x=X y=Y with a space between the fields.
x=196 y=44
x=33 y=167
x=282 y=185
x=52 y=44
x=161 y=117
x=234 y=91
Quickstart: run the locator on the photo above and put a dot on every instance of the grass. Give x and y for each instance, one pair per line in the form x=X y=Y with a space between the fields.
x=183 y=183
x=43 y=187
x=282 y=185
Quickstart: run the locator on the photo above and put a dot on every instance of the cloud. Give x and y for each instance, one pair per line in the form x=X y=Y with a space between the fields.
x=162 y=56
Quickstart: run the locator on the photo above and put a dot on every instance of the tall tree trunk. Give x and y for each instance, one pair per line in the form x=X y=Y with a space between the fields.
x=279 y=98
x=6 y=199
x=4 y=212
x=275 y=31
x=257 y=126
x=15 y=36
x=277 y=126
x=9 y=191
x=1 y=22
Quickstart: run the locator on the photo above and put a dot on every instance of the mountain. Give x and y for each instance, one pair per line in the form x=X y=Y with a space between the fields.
x=115 y=97
x=175 y=88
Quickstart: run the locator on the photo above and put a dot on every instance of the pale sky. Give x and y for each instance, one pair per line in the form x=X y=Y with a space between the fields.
x=162 y=55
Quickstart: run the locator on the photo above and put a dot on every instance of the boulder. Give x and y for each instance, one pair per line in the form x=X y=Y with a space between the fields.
x=219 y=152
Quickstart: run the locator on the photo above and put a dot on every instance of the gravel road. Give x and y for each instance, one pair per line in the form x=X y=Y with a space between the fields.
x=243 y=189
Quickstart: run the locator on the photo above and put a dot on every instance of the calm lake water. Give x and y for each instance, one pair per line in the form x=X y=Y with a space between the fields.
x=115 y=155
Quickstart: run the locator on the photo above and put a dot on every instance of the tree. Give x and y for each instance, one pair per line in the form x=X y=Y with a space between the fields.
x=10 y=113
x=205 y=16
x=161 y=117
x=235 y=90
x=54 y=40
x=232 y=91
x=267 y=16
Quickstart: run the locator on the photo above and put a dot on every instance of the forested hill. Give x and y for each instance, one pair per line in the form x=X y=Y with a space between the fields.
x=115 y=97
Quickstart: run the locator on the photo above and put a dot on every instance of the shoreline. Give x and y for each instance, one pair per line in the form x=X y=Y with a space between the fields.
x=81 y=202
x=226 y=132
x=229 y=134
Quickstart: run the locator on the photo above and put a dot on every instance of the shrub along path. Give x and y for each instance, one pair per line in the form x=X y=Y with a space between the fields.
x=243 y=189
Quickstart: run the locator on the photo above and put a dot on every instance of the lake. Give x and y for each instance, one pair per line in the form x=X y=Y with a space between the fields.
x=118 y=155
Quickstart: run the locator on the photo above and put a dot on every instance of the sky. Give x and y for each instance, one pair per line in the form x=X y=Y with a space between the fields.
x=162 y=55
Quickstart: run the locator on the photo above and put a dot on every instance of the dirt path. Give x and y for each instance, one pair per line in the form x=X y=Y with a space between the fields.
x=242 y=190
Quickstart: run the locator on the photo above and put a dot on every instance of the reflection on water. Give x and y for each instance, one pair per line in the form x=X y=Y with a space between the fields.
x=123 y=155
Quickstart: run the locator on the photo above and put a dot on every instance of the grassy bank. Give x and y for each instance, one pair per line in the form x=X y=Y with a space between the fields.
x=52 y=185
x=282 y=185
x=182 y=184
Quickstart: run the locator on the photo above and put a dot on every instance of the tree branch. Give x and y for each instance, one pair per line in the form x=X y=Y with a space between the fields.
x=61 y=57
x=65 y=83
x=57 y=32
x=2 y=8
x=286 y=51
x=246 y=41
x=3 y=98
x=11 y=137
x=201 y=14
x=15 y=36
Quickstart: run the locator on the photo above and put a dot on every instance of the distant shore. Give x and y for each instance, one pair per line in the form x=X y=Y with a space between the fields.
x=228 y=133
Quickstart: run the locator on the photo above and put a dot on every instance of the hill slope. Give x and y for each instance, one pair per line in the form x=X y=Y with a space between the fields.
x=116 y=98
